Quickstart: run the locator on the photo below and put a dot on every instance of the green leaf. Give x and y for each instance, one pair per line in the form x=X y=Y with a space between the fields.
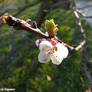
x=50 y=25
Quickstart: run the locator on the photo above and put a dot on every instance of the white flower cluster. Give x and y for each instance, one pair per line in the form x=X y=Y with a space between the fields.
x=56 y=52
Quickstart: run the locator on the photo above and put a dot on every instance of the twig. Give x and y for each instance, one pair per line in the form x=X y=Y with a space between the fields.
x=85 y=47
x=23 y=25
x=80 y=45
x=79 y=24
x=77 y=48
x=20 y=10
x=83 y=36
x=83 y=14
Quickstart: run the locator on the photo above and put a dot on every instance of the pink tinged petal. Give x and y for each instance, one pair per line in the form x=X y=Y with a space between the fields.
x=53 y=42
x=37 y=42
x=43 y=58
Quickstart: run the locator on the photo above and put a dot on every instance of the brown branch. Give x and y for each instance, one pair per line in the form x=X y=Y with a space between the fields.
x=23 y=25
x=21 y=10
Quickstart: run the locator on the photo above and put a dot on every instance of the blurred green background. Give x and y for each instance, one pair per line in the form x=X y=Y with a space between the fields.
x=19 y=65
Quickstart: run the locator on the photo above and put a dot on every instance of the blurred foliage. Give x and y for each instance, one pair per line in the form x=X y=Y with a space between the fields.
x=19 y=66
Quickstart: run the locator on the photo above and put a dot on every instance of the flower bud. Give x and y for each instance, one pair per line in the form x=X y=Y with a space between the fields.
x=51 y=28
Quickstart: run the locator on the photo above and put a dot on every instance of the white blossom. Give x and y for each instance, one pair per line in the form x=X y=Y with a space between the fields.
x=43 y=58
x=48 y=51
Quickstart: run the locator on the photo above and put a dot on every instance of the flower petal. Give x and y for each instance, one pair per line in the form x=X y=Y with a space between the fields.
x=59 y=54
x=56 y=58
x=62 y=50
x=37 y=42
x=43 y=58
x=45 y=46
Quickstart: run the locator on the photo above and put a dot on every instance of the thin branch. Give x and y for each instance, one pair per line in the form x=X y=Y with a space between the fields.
x=85 y=47
x=23 y=25
x=20 y=10
x=79 y=24
x=77 y=48
x=80 y=45
x=83 y=14
x=83 y=36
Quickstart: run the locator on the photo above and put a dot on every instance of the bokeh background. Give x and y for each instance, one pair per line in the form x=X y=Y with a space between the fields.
x=19 y=65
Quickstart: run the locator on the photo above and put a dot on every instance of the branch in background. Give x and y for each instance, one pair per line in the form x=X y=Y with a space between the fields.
x=85 y=47
x=81 y=45
x=83 y=36
x=83 y=14
x=79 y=24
